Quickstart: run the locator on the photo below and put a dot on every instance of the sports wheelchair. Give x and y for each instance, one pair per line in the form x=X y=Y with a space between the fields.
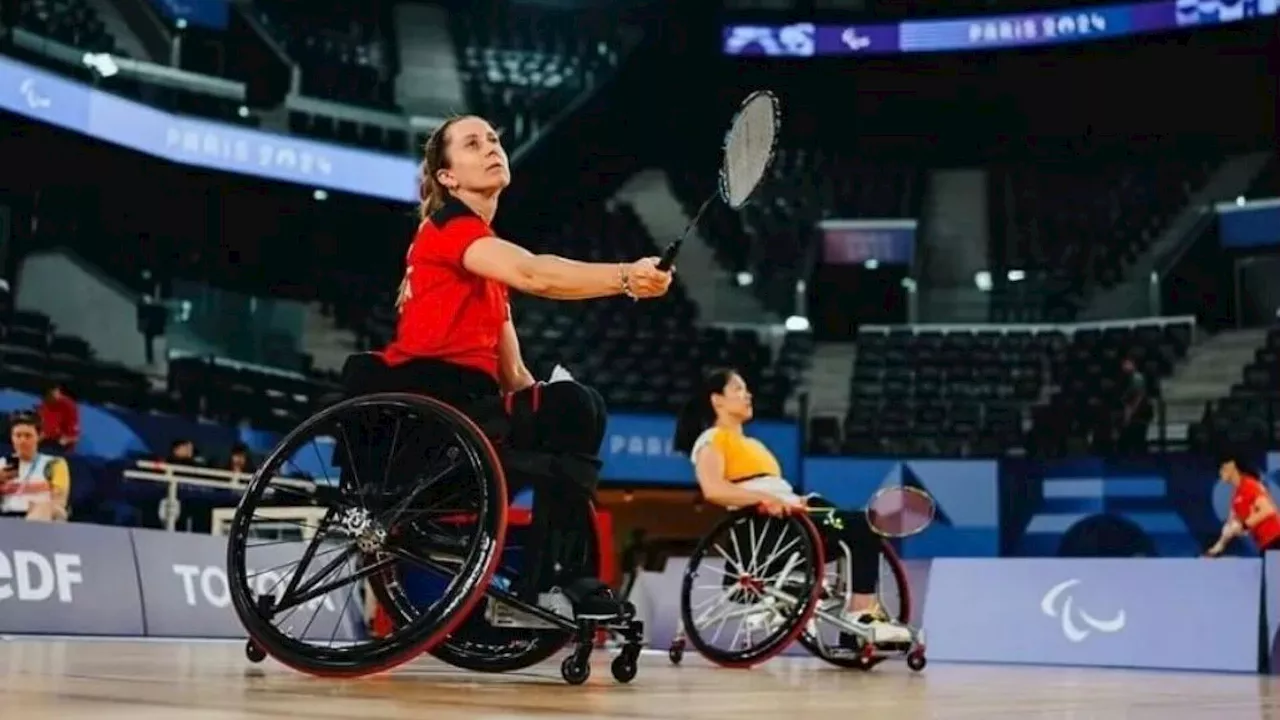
x=425 y=533
x=772 y=580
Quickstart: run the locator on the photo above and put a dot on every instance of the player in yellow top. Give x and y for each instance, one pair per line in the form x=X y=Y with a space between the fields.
x=735 y=470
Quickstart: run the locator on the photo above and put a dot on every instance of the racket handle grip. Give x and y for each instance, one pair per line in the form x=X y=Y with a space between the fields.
x=669 y=256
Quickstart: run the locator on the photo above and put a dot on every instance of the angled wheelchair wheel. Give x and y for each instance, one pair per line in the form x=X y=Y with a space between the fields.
x=822 y=639
x=751 y=586
x=388 y=477
x=478 y=644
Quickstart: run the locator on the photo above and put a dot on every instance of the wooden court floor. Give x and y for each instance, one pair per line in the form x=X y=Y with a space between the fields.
x=43 y=679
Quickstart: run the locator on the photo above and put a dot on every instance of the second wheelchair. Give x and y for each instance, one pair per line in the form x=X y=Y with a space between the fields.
x=760 y=583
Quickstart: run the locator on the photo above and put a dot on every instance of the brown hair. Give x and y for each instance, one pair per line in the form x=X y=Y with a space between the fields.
x=431 y=193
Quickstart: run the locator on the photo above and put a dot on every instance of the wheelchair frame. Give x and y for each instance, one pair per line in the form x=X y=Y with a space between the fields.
x=868 y=655
x=372 y=539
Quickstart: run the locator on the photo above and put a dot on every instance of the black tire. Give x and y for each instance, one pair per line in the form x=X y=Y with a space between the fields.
x=902 y=613
x=468 y=448
x=574 y=670
x=254 y=653
x=809 y=546
x=917 y=661
x=624 y=668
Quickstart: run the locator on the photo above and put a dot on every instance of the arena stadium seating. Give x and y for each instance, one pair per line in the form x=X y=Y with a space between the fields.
x=1076 y=228
x=1088 y=378
x=72 y=22
x=523 y=65
x=773 y=237
x=33 y=353
x=1250 y=416
x=76 y=24
x=965 y=392
x=233 y=394
x=346 y=51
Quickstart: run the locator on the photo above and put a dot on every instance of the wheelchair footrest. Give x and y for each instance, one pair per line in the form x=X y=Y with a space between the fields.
x=500 y=614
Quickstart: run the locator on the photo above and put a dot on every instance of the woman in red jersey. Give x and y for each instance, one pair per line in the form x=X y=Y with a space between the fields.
x=1253 y=512
x=455 y=339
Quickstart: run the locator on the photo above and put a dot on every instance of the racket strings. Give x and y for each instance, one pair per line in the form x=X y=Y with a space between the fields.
x=900 y=512
x=749 y=148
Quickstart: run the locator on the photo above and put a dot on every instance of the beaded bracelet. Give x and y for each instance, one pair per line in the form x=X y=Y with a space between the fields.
x=625 y=280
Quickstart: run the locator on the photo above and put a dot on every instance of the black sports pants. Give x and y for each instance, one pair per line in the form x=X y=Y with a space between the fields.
x=564 y=420
x=864 y=545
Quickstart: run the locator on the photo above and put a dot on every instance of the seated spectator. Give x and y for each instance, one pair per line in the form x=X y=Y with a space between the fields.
x=60 y=419
x=33 y=484
x=183 y=452
x=239 y=461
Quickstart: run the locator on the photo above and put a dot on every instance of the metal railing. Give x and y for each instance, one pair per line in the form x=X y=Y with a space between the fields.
x=175 y=476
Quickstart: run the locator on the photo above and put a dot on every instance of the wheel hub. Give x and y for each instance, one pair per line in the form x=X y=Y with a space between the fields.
x=368 y=533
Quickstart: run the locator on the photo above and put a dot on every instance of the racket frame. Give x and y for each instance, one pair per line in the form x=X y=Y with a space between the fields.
x=722 y=177
x=933 y=509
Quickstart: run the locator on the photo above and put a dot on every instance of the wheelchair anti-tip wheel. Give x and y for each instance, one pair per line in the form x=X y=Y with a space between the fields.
x=750 y=587
x=483 y=642
x=395 y=467
x=822 y=638
x=253 y=653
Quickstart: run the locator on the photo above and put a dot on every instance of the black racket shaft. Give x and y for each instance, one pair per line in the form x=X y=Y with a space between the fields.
x=669 y=255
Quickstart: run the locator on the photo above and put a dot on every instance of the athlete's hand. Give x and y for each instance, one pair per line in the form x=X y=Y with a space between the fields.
x=779 y=508
x=646 y=280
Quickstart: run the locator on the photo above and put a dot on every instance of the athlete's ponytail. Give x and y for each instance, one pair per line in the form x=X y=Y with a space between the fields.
x=698 y=414
x=431 y=194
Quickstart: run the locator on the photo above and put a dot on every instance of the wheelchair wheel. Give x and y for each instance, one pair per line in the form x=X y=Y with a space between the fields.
x=476 y=644
x=399 y=471
x=822 y=639
x=751 y=586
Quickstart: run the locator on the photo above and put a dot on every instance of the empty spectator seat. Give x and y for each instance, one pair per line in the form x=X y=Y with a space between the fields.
x=1088 y=380
x=773 y=237
x=945 y=393
x=72 y=22
x=524 y=64
x=346 y=50
x=1250 y=415
x=979 y=390
x=1074 y=228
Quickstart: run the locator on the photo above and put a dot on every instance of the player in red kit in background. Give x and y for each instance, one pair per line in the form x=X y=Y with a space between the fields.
x=456 y=340
x=60 y=419
x=1253 y=511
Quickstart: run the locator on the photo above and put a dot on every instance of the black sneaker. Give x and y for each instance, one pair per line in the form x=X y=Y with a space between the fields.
x=594 y=600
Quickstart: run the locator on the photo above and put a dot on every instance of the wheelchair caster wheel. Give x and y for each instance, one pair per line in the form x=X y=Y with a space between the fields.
x=575 y=670
x=866 y=664
x=676 y=653
x=254 y=653
x=624 y=668
x=916 y=661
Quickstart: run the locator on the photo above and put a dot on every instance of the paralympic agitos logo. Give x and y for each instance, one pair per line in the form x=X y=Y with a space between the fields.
x=1072 y=617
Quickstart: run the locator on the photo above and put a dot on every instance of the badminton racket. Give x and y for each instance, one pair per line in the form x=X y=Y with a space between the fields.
x=898 y=512
x=893 y=512
x=748 y=151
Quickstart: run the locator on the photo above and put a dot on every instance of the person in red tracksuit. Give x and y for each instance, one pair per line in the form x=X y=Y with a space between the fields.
x=1253 y=511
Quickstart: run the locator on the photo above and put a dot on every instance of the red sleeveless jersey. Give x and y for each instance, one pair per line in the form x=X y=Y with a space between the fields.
x=446 y=312
x=1247 y=492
